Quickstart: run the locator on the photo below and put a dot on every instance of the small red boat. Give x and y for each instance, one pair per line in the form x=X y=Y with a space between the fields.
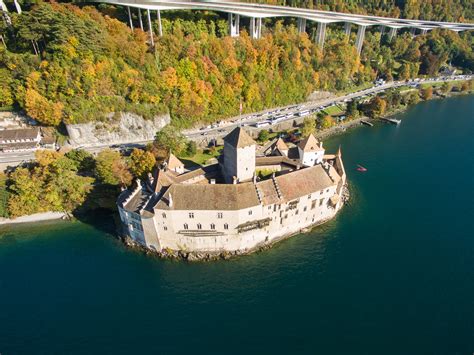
x=361 y=168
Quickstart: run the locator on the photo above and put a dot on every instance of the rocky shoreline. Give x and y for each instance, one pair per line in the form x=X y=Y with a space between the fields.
x=223 y=255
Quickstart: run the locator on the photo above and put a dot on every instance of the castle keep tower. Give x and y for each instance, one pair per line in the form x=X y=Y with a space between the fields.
x=239 y=156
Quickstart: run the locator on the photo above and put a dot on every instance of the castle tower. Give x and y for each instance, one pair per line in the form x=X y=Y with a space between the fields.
x=311 y=151
x=239 y=156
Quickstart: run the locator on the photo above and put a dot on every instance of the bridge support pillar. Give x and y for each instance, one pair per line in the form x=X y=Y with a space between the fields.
x=4 y=14
x=17 y=6
x=301 y=25
x=130 y=18
x=360 y=38
x=160 y=27
x=424 y=31
x=392 y=33
x=382 y=31
x=321 y=34
x=255 y=27
x=140 y=18
x=413 y=31
x=150 y=28
x=347 y=28
x=234 y=20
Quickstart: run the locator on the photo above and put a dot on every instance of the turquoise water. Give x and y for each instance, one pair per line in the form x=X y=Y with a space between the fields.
x=392 y=274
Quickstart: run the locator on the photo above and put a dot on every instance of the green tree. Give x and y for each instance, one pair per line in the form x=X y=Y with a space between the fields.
x=263 y=135
x=83 y=160
x=169 y=139
x=191 y=148
x=308 y=127
x=446 y=87
x=352 y=109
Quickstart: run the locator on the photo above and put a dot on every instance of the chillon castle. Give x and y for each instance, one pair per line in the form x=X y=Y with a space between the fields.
x=252 y=197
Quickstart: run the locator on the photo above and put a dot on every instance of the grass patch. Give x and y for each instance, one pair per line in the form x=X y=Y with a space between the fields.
x=333 y=110
x=202 y=156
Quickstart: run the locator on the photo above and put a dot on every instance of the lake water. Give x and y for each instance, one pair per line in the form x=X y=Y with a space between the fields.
x=392 y=274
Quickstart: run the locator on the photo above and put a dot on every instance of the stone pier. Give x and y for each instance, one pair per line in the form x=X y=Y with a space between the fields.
x=234 y=28
x=321 y=34
x=360 y=38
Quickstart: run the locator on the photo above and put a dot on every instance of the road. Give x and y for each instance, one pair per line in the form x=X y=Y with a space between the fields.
x=293 y=111
x=290 y=111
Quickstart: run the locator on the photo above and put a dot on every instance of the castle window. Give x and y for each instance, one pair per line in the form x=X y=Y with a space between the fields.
x=305 y=208
x=213 y=226
x=313 y=204
x=309 y=197
x=165 y=228
x=321 y=192
x=226 y=226
x=164 y=215
x=250 y=212
x=219 y=215
x=191 y=215
x=321 y=202
x=199 y=226
x=186 y=226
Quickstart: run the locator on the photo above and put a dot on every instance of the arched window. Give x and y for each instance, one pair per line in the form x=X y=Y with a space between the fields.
x=226 y=226
x=213 y=226
x=199 y=226
x=186 y=226
x=164 y=215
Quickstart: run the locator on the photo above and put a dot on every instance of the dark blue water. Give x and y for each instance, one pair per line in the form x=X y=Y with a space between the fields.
x=392 y=274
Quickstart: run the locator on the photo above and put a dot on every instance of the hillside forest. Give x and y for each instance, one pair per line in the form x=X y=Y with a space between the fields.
x=65 y=63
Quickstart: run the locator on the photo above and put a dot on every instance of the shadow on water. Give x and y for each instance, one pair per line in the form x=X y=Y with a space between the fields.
x=99 y=210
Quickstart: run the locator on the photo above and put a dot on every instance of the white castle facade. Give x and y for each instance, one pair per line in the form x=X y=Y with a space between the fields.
x=227 y=207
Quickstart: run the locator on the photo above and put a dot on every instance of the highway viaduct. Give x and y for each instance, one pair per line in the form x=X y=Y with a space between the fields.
x=256 y=12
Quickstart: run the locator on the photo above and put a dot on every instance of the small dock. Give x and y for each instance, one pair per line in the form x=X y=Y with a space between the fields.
x=367 y=123
x=392 y=120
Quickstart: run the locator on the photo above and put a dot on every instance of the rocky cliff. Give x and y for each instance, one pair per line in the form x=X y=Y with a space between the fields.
x=119 y=128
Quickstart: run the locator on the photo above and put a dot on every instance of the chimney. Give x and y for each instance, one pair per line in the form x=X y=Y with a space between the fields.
x=234 y=180
x=150 y=179
x=213 y=181
x=170 y=201
x=320 y=144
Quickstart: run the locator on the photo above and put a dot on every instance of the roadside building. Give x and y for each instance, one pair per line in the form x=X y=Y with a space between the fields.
x=19 y=139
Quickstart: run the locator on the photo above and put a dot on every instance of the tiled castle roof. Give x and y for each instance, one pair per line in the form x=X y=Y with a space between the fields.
x=238 y=138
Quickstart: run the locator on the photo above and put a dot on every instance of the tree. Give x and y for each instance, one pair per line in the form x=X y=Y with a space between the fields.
x=43 y=110
x=83 y=160
x=376 y=107
x=263 y=135
x=427 y=93
x=446 y=87
x=191 y=148
x=111 y=169
x=50 y=185
x=352 y=110
x=308 y=127
x=169 y=139
x=141 y=162
x=326 y=122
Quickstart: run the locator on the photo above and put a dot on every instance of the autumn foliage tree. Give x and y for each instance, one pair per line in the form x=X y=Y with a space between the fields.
x=141 y=162
x=112 y=169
